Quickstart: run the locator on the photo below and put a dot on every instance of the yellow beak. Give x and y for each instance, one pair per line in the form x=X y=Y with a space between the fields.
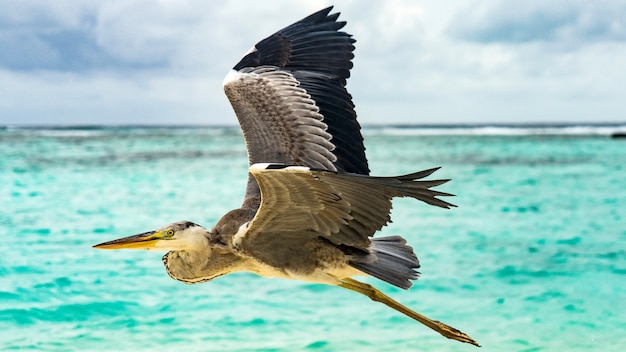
x=145 y=240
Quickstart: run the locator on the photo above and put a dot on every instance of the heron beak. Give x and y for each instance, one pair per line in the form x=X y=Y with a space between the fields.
x=145 y=240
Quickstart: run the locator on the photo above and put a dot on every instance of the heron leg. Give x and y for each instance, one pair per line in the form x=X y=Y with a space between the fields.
x=375 y=295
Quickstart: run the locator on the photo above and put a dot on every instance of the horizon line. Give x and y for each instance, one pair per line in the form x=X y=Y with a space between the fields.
x=369 y=125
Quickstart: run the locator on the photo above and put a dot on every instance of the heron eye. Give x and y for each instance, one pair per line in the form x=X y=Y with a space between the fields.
x=170 y=233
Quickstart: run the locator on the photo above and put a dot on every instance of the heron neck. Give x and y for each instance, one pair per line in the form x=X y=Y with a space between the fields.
x=198 y=266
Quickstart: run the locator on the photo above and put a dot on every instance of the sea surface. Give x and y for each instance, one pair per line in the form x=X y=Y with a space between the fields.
x=533 y=258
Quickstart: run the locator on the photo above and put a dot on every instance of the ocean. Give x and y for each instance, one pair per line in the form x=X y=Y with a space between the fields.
x=533 y=258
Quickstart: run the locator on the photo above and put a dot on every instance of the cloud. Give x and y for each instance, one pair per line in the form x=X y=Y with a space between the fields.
x=163 y=61
x=103 y=98
x=570 y=22
x=48 y=36
x=67 y=36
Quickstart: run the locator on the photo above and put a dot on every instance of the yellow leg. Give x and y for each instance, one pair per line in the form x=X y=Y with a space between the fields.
x=375 y=295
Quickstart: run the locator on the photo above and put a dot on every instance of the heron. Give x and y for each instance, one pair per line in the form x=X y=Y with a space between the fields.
x=311 y=207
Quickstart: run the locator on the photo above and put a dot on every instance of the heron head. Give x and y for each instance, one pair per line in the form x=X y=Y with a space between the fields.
x=178 y=236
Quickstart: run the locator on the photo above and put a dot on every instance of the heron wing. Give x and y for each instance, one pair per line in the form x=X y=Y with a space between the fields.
x=299 y=75
x=319 y=56
x=280 y=121
x=300 y=203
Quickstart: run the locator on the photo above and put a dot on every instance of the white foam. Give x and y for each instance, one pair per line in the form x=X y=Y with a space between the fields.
x=68 y=133
x=581 y=130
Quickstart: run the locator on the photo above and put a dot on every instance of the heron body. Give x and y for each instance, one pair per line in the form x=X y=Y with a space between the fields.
x=311 y=208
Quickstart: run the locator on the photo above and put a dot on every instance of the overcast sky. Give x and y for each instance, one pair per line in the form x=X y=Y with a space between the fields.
x=417 y=62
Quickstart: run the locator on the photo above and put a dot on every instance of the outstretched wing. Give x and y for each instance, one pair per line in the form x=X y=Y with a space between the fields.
x=300 y=203
x=289 y=95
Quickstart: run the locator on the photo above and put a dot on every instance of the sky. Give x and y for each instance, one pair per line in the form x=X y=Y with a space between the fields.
x=144 y=62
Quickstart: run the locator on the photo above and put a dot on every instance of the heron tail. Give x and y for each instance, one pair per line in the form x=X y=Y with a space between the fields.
x=391 y=260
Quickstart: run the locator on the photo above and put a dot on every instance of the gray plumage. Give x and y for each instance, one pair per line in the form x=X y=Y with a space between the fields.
x=389 y=259
x=311 y=207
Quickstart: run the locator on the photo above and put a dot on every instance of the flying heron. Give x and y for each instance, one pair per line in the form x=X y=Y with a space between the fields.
x=311 y=207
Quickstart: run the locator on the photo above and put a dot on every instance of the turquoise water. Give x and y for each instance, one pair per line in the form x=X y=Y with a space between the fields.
x=534 y=258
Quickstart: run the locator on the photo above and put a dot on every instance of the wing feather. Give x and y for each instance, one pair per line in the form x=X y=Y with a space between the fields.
x=300 y=203
x=280 y=121
x=318 y=56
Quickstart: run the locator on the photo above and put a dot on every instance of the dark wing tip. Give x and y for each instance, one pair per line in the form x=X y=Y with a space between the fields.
x=420 y=174
x=421 y=189
x=320 y=15
x=277 y=49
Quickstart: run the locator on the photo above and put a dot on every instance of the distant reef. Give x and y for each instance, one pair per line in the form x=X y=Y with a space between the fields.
x=618 y=135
